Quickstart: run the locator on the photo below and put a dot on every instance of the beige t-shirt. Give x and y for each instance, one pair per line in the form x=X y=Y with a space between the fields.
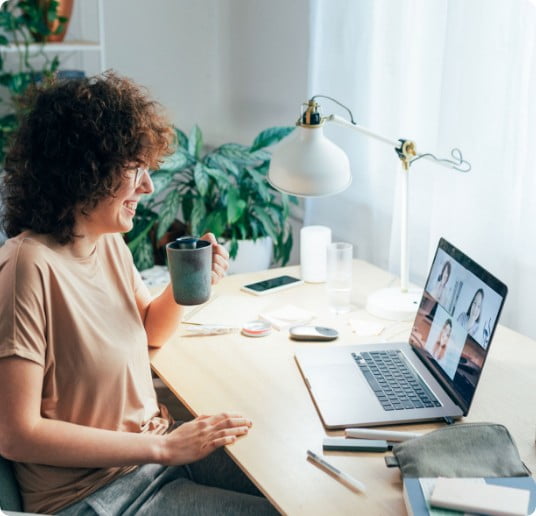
x=78 y=319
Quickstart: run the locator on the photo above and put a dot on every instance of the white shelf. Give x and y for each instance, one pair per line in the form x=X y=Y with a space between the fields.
x=72 y=45
x=64 y=46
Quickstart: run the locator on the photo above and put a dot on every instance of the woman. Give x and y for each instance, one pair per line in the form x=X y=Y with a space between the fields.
x=439 y=292
x=441 y=344
x=470 y=319
x=79 y=412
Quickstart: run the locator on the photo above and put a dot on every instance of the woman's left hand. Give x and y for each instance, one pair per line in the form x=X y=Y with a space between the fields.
x=220 y=258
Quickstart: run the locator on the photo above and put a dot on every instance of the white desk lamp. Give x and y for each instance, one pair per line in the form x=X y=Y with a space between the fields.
x=307 y=164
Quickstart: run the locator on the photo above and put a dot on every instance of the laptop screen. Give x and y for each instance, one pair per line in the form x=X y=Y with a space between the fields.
x=456 y=320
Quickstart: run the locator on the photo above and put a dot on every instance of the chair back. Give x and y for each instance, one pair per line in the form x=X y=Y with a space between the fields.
x=10 y=499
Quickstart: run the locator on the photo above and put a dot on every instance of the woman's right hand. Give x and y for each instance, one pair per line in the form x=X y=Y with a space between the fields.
x=198 y=438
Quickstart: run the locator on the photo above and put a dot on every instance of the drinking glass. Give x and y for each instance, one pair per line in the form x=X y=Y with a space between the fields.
x=339 y=276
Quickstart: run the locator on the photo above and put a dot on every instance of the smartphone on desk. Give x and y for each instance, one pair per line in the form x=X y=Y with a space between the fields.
x=268 y=286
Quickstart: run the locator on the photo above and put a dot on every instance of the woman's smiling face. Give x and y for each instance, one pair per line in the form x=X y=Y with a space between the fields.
x=115 y=214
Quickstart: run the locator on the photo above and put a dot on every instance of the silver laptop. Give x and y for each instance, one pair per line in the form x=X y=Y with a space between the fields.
x=432 y=376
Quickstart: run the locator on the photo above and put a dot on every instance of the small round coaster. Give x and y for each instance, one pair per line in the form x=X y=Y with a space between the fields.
x=256 y=329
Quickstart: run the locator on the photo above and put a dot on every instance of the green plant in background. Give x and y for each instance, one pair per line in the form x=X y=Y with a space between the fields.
x=21 y=23
x=223 y=191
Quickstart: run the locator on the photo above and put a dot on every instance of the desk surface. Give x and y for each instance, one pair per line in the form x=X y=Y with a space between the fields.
x=258 y=377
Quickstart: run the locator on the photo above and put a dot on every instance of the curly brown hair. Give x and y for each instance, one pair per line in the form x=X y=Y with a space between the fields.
x=72 y=148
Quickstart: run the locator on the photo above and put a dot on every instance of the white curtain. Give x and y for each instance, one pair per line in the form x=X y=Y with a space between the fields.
x=444 y=73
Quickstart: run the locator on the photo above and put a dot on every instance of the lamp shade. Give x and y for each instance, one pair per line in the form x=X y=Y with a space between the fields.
x=307 y=164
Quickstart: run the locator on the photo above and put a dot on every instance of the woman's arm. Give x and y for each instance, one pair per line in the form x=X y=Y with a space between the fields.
x=162 y=315
x=25 y=436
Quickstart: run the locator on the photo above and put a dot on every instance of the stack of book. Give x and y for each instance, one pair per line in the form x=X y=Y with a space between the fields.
x=512 y=496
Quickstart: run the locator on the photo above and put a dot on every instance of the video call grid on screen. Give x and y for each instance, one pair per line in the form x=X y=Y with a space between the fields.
x=458 y=313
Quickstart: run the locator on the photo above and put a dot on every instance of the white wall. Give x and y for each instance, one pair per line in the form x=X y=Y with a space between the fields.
x=234 y=67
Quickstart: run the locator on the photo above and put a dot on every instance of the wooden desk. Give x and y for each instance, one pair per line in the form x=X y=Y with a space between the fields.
x=258 y=377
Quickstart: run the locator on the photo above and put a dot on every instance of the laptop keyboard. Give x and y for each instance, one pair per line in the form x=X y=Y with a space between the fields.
x=393 y=381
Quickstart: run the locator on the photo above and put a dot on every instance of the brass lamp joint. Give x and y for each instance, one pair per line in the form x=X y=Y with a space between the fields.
x=311 y=116
x=405 y=152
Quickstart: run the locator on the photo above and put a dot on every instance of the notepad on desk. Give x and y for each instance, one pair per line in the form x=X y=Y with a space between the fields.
x=504 y=496
x=238 y=309
x=287 y=316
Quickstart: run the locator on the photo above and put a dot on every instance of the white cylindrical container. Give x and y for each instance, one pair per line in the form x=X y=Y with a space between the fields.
x=314 y=241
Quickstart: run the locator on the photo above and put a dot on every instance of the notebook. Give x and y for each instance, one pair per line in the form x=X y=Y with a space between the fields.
x=434 y=375
x=417 y=493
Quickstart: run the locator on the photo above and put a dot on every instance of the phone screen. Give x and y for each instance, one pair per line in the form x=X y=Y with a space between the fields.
x=268 y=284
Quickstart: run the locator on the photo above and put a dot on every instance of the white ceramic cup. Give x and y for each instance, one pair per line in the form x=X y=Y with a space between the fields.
x=313 y=253
x=339 y=276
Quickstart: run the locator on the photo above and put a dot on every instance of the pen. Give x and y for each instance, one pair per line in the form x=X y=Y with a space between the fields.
x=388 y=435
x=344 y=477
x=211 y=329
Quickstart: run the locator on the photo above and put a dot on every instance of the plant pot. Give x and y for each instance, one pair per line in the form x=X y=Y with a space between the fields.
x=252 y=256
x=65 y=8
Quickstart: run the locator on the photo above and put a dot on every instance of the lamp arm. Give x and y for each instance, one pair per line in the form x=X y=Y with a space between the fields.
x=457 y=162
x=341 y=121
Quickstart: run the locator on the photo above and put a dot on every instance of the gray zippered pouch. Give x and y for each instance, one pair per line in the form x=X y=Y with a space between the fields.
x=460 y=450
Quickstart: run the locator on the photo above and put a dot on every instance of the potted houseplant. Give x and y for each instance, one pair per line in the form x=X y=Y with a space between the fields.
x=223 y=190
x=21 y=23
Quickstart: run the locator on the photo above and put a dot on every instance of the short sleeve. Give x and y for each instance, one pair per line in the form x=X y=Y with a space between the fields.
x=22 y=303
x=141 y=292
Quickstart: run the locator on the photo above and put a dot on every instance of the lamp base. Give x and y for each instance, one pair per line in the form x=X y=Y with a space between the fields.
x=393 y=304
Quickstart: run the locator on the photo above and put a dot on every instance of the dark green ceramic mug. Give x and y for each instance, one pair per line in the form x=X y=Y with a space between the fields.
x=190 y=269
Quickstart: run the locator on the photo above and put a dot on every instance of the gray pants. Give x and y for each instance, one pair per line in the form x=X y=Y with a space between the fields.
x=212 y=486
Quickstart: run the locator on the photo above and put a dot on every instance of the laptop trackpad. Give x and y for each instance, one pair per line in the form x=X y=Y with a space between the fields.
x=340 y=381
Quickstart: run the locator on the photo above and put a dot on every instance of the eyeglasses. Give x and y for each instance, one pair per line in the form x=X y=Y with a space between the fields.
x=138 y=176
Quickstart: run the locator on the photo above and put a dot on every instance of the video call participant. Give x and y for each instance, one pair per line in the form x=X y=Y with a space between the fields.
x=438 y=291
x=470 y=319
x=441 y=344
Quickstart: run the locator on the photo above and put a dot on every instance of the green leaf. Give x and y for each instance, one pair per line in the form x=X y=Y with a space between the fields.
x=161 y=180
x=54 y=65
x=285 y=248
x=8 y=123
x=261 y=184
x=215 y=222
x=195 y=142
x=143 y=255
x=187 y=208
x=176 y=161
x=144 y=220
x=267 y=224
x=182 y=139
x=3 y=40
x=235 y=207
x=233 y=248
x=240 y=154
x=269 y=137
x=197 y=216
x=217 y=160
x=168 y=212
x=222 y=179
x=255 y=230
x=285 y=204
x=245 y=234
x=260 y=155
x=17 y=83
x=52 y=11
x=201 y=179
